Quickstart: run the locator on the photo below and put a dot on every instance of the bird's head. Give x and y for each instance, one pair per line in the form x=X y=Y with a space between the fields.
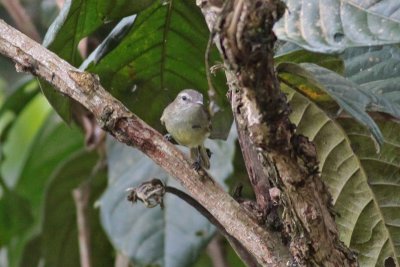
x=189 y=96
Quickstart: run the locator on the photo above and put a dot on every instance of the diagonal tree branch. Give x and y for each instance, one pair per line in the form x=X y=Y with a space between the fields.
x=126 y=127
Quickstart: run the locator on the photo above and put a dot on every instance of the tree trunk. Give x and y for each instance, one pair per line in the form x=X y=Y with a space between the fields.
x=242 y=30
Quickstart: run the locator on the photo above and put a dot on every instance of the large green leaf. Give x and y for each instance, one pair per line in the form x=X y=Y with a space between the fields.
x=378 y=228
x=111 y=41
x=21 y=95
x=78 y=19
x=171 y=237
x=294 y=54
x=161 y=55
x=376 y=69
x=60 y=233
x=32 y=253
x=15 y=216
x=333 y=25
x=346 y=93
x=51 y=146
x=364 y=185
x=21 y=137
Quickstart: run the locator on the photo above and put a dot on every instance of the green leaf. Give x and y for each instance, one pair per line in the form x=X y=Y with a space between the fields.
x=32 y=253
x=60 y=103
x=22 y=94
x=171 y=237
x=53 y=143
x=60 y=234
x=78 y=19
x=332 y=62
x=346 y=93
x=21 y=137
x=333 y=25
x=15 y=216
x=377 y=70
x=366 y=220
x=378 y=226
x=161 y=55
x=121 y=8
x=111 y=41
x=51 y=146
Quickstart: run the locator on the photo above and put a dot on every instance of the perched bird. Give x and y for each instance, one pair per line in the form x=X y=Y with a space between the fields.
x=188 y=122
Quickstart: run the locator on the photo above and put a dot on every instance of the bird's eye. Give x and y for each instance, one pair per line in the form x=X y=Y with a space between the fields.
x=184 y=98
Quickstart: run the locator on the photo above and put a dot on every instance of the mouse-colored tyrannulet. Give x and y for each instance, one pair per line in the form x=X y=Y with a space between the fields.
x=188 y=122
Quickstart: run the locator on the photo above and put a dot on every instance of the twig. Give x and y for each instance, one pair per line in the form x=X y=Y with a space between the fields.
x=21 y=18
x=121 y=260
x=211 y=90
x=127 y=128
x=81 y=197
x=217 y=252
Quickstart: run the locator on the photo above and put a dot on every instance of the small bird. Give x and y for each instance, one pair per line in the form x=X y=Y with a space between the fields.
x=188 y=122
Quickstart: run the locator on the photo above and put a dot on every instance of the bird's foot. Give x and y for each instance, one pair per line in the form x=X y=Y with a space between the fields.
x=169 y=138
x=196 y=165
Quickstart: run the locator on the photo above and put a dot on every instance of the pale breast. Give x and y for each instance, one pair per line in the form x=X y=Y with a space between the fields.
x=189 y=127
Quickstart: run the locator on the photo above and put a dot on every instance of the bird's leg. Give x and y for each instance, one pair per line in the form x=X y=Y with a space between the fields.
x=197 y=163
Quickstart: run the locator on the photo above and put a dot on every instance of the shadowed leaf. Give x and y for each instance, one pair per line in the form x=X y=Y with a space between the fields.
x=78 y=19
x=161 y=55
x=60 y=233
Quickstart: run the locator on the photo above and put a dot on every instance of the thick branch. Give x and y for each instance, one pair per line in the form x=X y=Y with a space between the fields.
x=129 y=129
x=245 y=39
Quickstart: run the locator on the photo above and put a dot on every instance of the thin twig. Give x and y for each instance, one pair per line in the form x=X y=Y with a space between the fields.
x=121 y=260
x=81 y=197
x=211 y=90
x=21 y=18
x=217 y=252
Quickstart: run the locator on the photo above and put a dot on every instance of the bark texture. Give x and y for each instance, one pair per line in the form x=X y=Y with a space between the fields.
x=127 y=128
x=243 y=33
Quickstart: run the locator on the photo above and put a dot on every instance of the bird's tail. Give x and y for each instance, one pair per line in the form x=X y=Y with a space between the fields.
x=200 y=155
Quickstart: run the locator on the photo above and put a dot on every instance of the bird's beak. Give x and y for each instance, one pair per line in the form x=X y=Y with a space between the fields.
x=199 y=102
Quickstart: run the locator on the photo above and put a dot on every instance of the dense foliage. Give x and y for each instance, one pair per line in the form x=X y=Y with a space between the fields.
x=346 y=101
